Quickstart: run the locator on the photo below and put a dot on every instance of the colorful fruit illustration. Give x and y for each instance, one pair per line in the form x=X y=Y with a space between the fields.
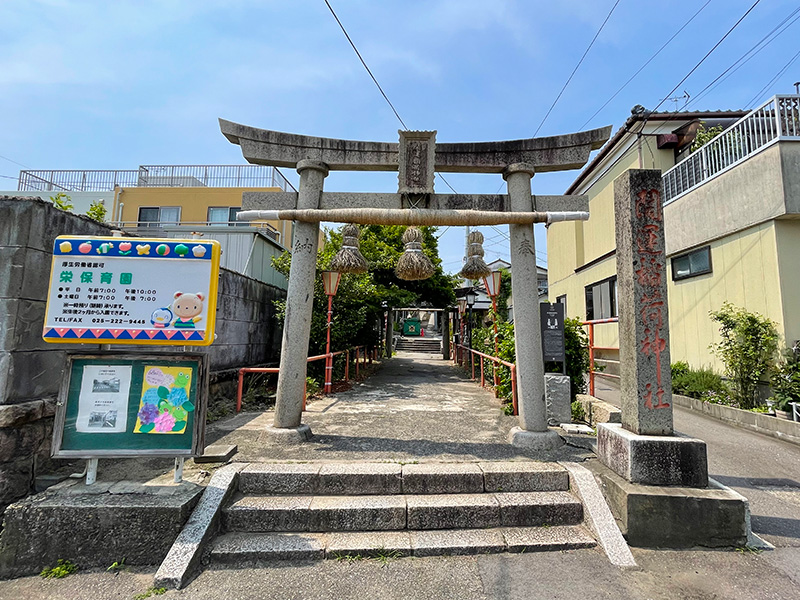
x=85 y=248
x=65 y=247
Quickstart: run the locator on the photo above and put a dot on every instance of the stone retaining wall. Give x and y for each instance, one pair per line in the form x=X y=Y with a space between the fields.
x=31 y=369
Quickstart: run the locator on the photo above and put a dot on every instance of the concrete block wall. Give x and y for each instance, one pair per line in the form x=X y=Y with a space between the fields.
x=31 y=370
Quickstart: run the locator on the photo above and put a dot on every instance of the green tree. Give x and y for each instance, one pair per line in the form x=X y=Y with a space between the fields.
x=703 y=136
x=747 y=349
x=357 y=306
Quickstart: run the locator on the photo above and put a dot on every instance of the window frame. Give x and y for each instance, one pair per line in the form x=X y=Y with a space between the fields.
x=676 y=277
x=588 y=292
x=160 y=222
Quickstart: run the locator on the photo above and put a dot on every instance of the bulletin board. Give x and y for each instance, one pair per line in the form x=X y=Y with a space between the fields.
x=124 y=405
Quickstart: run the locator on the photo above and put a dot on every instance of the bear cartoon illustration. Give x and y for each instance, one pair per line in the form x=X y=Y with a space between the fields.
x=187 y=308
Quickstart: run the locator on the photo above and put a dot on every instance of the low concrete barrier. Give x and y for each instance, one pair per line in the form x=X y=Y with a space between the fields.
x=778 y=428
x=597 y=411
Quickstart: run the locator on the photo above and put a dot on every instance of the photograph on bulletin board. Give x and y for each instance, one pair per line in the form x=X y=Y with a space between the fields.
x=122 y=405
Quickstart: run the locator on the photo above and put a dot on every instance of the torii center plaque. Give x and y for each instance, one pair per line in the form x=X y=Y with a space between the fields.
x=417 y=157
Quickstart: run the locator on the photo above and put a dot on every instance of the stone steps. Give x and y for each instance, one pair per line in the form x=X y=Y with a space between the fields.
x=328 y=510
x=419 y=345
x=354 y=479
x=238 y=548
x=399 y=512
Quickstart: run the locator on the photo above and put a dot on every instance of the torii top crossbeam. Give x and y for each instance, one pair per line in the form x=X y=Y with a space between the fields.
x=278 y=149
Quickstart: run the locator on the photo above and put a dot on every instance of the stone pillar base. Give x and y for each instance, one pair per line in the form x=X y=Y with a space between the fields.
x=287 y=435
x=653 y=459
x=543 y=441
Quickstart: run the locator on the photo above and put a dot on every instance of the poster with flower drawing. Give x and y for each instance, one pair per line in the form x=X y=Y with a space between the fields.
x=165 y=405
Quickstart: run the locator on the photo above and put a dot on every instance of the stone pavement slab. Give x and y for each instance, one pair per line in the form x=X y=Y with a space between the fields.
x=415 y=408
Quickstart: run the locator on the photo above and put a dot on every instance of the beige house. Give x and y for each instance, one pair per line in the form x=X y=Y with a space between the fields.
x=731 y=218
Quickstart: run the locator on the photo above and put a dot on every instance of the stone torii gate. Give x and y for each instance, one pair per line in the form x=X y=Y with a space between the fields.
x=417 y=157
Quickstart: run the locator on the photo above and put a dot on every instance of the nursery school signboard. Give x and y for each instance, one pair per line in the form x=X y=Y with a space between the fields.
x=129 y=405
x=148 y=291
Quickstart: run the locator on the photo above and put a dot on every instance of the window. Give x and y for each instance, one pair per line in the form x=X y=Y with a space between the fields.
x=156 y=216
x=694 y=263
x=601 y=299
x=223 y=214
x=563 y=300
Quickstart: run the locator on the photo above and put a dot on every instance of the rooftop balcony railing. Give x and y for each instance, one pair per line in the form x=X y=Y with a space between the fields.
x=776 y=120
x=154 y=176
x=158 y=228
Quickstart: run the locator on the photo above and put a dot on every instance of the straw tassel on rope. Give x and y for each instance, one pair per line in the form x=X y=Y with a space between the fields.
x=349 y=258
x=413 y=264
x=475 y=267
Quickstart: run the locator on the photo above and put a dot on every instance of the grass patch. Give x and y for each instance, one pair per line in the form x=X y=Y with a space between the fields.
x=62 y=569
x=153 y=591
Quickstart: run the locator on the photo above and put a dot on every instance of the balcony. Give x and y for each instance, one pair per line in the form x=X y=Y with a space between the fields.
x=220 y=176
x=776 y=120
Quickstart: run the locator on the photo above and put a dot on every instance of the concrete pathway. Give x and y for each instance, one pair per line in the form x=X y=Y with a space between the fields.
x=417 y=407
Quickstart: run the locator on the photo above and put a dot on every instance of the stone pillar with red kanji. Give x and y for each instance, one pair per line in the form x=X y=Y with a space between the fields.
x=645 y=376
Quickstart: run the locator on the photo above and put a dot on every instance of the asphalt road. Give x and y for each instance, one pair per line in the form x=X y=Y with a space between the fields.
x=764 y=469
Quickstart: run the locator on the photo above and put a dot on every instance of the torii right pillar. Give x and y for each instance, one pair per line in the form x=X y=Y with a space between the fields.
x=643 y=449
x=532 y=431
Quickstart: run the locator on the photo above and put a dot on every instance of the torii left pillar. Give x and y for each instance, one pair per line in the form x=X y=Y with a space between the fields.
x=299 y=304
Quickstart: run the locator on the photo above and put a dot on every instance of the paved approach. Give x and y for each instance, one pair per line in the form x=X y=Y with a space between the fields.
x=416 y=408
x=456 y=420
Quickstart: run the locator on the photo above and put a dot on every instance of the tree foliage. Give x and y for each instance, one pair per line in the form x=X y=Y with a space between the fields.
x=357 y=306
x=747 y=349
x=703 y=136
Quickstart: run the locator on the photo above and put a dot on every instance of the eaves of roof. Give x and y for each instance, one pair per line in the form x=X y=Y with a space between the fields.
x=653 y=116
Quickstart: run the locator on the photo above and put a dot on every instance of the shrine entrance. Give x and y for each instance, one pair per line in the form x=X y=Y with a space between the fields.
x=417 y=157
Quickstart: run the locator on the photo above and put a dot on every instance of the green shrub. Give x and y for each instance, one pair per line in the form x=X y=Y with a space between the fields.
x=97 y=211
x=578 y=414
x=786 y=379
x=695 y=382
x=312 y=387
x=61 y=201
x=679 y=369
x=748 y=348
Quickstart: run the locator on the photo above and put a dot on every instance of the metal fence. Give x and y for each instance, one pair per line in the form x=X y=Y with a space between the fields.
x=775 y=120
x=154 y=176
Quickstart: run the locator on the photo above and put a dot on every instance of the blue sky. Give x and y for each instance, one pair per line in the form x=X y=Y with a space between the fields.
x=111 y=85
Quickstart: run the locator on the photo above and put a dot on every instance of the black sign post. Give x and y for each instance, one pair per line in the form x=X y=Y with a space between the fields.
x=552 y=321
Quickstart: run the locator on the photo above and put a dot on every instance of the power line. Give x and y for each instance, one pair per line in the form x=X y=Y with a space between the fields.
x=702 y=60
x=380 y=89
x=744 y=58
x=15 y=162
x=760 y=93
x=580 y=62
x=649 y=60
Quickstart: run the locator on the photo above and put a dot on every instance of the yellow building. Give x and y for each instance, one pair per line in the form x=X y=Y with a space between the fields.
x=177 y=200
x=731 y=218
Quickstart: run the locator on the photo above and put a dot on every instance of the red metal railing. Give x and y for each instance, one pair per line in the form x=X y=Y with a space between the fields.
x=590 y=325
x=368 y=354
x=461 y=351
